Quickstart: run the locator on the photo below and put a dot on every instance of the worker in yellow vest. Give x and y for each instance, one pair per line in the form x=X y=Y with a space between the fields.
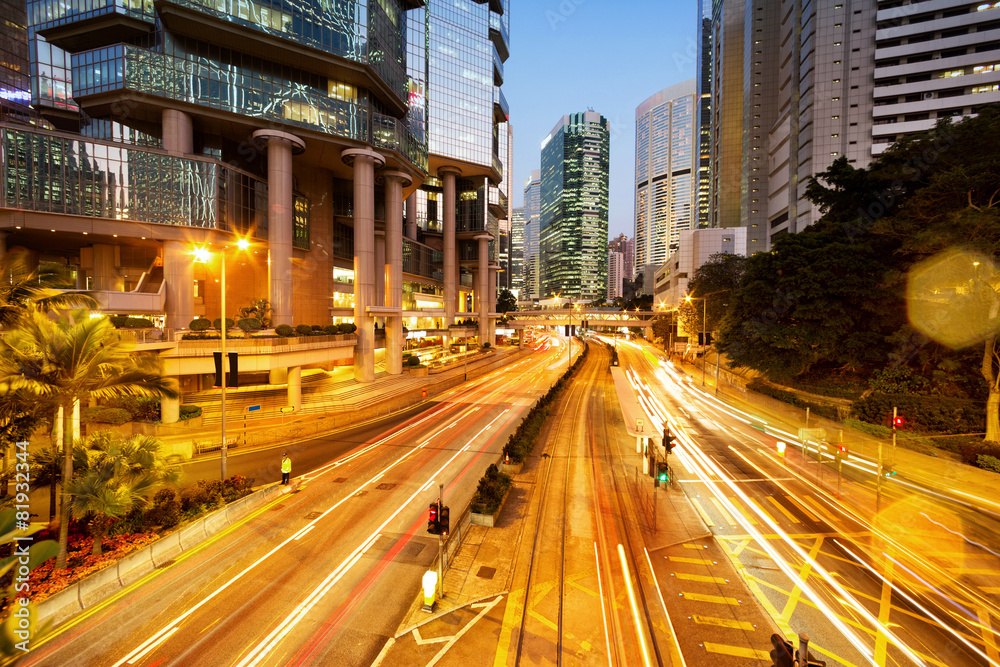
x=286 y=468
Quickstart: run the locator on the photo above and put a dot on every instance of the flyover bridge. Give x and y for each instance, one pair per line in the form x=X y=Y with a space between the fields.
x=593 y=318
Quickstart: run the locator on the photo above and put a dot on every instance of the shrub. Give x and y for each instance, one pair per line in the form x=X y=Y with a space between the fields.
x=133 y=522
x=937 y=414
x=217 y=324
x=347 y=327
x=413 y=361
x=970 y=453
x=236 y=487
x=331 y=329
x=140 y=408
x=105 y=415
x=284 y=330
x=491 y=490
x=828 y=411
x=987 y=462
x=200 y=324
x=248 y=324
x=304 y=330
x=166 y=510
x=316 y=328
x=189 y=411
x=131 y=322
x=486 y=345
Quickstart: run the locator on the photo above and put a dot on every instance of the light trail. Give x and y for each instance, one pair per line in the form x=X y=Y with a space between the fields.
x=604 y=611
x=634 y=605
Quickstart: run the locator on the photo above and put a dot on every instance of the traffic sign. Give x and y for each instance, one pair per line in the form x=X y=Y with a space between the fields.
x=253 y=408
x=288 y=408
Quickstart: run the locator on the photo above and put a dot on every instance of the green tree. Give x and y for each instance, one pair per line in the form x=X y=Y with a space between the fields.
x=714 y=281
x=23 y=288
x=661 y=326
x=259 y=310
x=506 y=302
x=70 y=359
x=14 y=636
x=117 y=474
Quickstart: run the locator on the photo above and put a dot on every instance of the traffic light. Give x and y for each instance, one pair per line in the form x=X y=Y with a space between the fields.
x=668 y=439
x=888 y=471
x=897 y=422
x=433 y=523
x=841 y=451
x=662 y=472
x=443 y=521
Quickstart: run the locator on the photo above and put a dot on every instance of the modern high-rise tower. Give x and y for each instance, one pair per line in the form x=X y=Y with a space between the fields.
x=704 y=115
x=532 y=224
x=574 y=207
x=666 y=169
x=517 y=252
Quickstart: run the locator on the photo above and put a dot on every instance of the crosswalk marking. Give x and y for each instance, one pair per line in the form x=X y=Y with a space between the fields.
x=701 y=510
x=802 y=508
x=783 y=510
x=723 y=622
x=722 y=510
x=737 y=651
x=682 y=559
x=694 y=546
x=717 y=599
x=746 y=515
x=700 y=577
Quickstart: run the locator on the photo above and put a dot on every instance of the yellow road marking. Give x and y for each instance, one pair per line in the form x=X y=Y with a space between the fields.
x=832 y=656
x=701 y=510
x=738 y=651
x=783 y=510
x=746 y=515
x=717 y=599
x=694 y=546
x=699 y=577
x=989 y=637
x=723 y=622
x=541 y=619
x=693 y=561
x=796 y=594
x=969 y=570
x=802 y=508
x=743 y=545
x=822 y=510
x=884 y=607
x=722 y=510
x=510 y=620
x=990 y=590
x=760 y=508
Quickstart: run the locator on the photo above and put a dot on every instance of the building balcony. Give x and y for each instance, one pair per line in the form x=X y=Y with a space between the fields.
x=421 y=260
x=53 y=173
x=500 y=36
x=501 y=110
x=85 y=24
x=497 y=68
x=498 y=202
x=140 y=303
x=498 y=167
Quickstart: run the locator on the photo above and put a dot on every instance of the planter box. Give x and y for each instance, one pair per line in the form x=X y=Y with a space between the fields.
x=511 y=468
x=418 y=372
x=488 y=520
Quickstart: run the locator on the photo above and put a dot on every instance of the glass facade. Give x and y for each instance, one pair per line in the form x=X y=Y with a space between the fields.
x=574 y=207
x=15 y=92
x=44 y=14
x=421 y=260
x=704 y=115
x=666 y=169
x=51 y=173
x=532 y=220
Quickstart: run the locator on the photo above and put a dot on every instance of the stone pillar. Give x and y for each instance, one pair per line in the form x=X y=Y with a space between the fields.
x=178 y=273
x=170 y=410
x=295 y=387
x=364 y=161
x=411 y=217
x=280 y=211
x=450 y=269
x=482 y=287
x=395 y=181
x=492 y=308
x=380 y=286
x=178 y=132
x=106 y=276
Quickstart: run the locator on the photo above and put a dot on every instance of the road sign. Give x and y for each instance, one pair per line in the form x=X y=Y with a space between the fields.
x=288 y=408
x=253 y=408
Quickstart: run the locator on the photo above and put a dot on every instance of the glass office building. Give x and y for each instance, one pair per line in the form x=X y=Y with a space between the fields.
x=574 y=207
x=666 y=171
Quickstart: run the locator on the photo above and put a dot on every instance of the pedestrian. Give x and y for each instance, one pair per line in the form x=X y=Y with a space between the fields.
x=286 y=468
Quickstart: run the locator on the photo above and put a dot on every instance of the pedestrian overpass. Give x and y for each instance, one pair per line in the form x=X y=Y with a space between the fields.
x=591 y=318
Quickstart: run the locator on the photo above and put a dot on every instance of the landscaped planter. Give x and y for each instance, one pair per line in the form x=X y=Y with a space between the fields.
x=418 y=372
x=488 y=520
x=511 y=468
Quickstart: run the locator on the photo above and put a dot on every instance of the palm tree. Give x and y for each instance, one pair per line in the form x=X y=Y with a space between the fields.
x=23 y=289
x=119 y=472
x=69 y=359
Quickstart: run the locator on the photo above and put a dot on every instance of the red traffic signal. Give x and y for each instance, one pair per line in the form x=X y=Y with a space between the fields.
x=897 y=422
x=433 y=525
x=668 y=440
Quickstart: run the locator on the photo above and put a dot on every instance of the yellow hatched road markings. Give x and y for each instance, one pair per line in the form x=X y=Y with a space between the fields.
x=989 y=637
x=701 y=510
x=716 y=599
x=990 y=590
x=700 y=577
x=722 y=510
x=970 y=570
x=760 y=508
x=723 y=622
x=694 y=546
x=822 y=510
x=791 y=517
x=802 y=508
x=737 y=651
x=682 y=559
x=746 y=515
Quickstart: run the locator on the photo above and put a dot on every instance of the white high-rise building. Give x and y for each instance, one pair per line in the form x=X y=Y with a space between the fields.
x=616 y=273
x=532 y=220
x=666 y=171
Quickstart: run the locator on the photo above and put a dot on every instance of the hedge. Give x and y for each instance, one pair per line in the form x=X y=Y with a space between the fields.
x=189 y=412
x=200 y=324
x=936 y=414
x=304 y=330
x=828 y=411
x=491 y=490
x=217 y=324
x=103 y=415
x=284 y=330
x=987 y=462
x=248 y=324
x=131 y=322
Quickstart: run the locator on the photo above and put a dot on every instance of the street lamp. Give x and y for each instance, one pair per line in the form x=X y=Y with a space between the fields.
x=704 y=326
x=201 y=255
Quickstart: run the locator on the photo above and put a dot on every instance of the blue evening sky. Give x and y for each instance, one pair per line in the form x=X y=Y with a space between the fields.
x=570 y=55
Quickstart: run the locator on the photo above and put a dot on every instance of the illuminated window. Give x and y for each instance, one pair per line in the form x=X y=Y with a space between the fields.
x=986 y=89
x=951 y=73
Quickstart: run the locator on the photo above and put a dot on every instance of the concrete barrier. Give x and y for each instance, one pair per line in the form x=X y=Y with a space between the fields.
x=192 y=534
x=135 y=566
x=60 y=607
x=215 y=522
x=98 y=586
x=165 y=549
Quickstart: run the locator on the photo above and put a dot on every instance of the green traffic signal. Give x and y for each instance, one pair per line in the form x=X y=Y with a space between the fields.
x=662 y=472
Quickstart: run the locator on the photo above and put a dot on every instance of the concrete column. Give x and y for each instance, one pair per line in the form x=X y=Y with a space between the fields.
x=380 y=286
x=170 y=410
x=178 y=273
x=280 y=211
x=364 y=161
x=106 y=276
x=492 y=307
x=178 y=132
x=3 y=244
x=295 y=387
x=411 y=217
x=450 y=269
x=482 y=287
x=395 y=181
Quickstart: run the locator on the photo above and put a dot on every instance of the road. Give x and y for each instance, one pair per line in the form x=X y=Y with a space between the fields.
x=325 y=573
x=902 y=584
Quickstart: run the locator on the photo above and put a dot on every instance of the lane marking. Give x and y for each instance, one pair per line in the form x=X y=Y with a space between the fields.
x=746 y=515
x=737 y=651
x=724 y=623
x=802 y=508
x=989 y=637
x=487 y=606
x=884 y=608
x=701 y=510
x=830 y=518
x=693 y=561
x=760 y=508
x=152 y=644
x=700 y=577
x=722 y=510
x=694 y=546
x=781 y=508
x=715 y=599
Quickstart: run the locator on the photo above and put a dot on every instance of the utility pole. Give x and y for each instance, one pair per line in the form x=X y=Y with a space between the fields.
x=878 y=482
x=894 y=417
x=440 y=544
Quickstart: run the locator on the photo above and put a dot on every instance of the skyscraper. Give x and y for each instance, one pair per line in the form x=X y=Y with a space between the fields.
x=704 y=119
x=532 y=224
x=517 y=252
x=726 y=128
x=574 y=207
x=15 y=90
x=666 y=168
x=626 y=246
x=616 y=271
